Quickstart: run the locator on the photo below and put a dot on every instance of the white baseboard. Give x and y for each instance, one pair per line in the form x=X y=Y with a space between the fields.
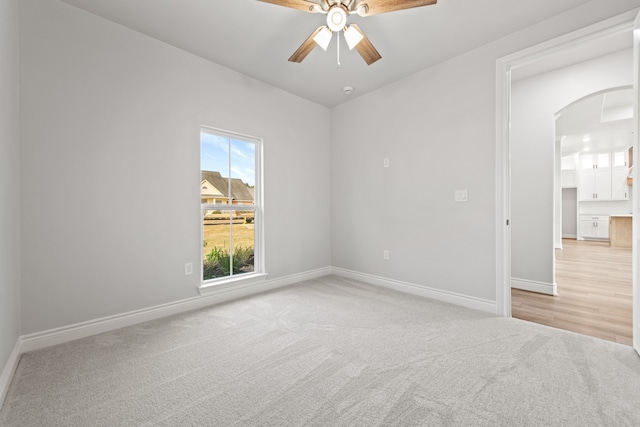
x=569 y=236
x=423 y=291
x=9 y=369
x=64 y=334
x=533 y=286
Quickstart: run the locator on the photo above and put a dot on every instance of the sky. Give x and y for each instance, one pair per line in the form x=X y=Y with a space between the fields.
x=214 y=156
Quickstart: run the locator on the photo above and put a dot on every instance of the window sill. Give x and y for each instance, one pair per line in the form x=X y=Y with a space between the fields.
x=236 y=283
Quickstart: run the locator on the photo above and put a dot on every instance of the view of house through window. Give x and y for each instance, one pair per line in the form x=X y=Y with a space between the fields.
x=230 y=208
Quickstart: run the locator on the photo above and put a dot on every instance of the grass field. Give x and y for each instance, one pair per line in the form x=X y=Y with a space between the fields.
x=218 y=235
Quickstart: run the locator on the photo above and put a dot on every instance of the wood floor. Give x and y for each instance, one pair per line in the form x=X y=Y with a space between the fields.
x=594 y=292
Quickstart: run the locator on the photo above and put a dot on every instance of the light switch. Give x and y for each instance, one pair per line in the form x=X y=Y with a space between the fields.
x=461 y=196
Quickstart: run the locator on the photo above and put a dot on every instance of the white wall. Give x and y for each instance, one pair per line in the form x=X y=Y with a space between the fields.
x=569 y=212
x=437 y=131
x=9 y=183
x=557 y=214
x=110 y=166
x=109 y=125
x=535 y=101
x=437 y=127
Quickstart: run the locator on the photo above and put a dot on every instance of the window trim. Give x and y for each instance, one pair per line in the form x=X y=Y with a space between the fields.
x=259 y=273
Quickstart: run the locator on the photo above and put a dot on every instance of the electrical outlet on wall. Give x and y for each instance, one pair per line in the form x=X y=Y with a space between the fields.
x=188 y=268
x=385 y=254
x=461 y=196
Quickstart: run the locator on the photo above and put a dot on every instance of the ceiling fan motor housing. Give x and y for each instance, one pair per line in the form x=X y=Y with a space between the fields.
x=337 y=17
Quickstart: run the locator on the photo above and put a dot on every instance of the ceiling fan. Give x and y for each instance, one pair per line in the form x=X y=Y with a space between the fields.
x=337 y=12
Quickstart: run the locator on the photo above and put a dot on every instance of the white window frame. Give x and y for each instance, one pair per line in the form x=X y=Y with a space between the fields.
x=259 y=274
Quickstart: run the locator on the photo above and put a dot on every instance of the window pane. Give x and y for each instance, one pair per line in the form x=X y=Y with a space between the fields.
x=243 y=171
x=243 y=242
x=216 y=236
x=228 y=239
x=228 y=181
x=214 y=166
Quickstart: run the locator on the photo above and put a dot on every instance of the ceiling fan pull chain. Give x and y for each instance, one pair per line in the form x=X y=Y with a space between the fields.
x=338 y=50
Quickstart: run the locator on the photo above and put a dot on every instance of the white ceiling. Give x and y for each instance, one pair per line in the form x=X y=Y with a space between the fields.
x=256 y=38
x=566 y=57
x=598 y=122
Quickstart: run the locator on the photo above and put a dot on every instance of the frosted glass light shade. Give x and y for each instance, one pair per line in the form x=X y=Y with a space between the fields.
x=352 y=36
x=323 y=38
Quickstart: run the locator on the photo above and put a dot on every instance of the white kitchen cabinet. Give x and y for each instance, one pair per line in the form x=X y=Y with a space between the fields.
x=568 y=179
x=569 y=171
x=594 y=227
x=619 y=173
x=595 y=176
x=569 y=162
x=603 y=176
x=619 y=187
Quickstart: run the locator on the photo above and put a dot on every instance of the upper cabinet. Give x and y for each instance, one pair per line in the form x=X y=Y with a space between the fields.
x=603 y=176
x=595 y=176
x=569 y=178
x=619 y=174
x=620 y=159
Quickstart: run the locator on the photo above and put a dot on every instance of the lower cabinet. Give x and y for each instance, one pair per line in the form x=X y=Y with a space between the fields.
x=594 y=227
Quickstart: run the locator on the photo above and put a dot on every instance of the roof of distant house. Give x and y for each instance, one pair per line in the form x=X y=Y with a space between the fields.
x=239 y=190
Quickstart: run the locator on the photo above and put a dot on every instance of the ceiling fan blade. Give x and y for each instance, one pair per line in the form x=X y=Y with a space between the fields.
x=374 y=7
x=306 y=47
x=305 y=5
x=366 y=49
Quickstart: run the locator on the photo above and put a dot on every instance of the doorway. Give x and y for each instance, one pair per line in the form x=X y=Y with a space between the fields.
x=593 y=271
x=510 y=193
x=594 y=292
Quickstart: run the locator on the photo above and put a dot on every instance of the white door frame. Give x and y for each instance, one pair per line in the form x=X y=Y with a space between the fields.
x=636 y=188
x=622 y=23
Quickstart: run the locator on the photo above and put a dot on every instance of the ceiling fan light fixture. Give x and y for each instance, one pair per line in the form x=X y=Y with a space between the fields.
x=323 y=38
x=336 y=18
x=352 y=36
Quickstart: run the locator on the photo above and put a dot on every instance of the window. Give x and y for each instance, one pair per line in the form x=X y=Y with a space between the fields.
x=230 y=197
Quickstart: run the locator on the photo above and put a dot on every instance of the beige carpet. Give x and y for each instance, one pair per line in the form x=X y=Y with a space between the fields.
x=329 y=352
